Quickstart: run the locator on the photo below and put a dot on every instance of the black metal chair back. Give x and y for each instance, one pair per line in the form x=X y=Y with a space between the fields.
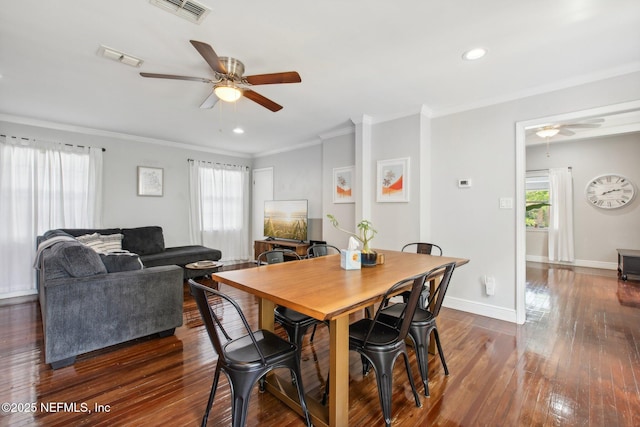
x=321 y=249
x=276 y=256
x=244 y=358
x=424 y=248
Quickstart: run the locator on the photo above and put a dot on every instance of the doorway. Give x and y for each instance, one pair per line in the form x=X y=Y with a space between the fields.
x=521 y=128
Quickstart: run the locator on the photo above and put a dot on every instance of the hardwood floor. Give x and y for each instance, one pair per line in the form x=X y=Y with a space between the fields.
x=576 y=361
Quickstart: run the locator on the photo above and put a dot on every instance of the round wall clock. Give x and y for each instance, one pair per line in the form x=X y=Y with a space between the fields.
x=610 y=191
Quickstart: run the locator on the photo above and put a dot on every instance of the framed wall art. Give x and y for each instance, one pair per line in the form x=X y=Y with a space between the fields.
x=343 y=185
x=150 y=181
x=393 y=180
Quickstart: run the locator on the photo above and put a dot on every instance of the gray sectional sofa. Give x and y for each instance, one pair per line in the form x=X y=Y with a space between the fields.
x=91 y=300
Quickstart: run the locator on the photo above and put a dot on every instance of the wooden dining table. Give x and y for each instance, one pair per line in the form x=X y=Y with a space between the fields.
x=320 y=288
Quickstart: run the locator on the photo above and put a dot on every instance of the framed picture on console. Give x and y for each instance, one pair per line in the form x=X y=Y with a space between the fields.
x=150 y=181
x=343 y=185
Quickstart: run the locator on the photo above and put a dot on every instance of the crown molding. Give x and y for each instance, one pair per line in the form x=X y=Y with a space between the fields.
x=117 y=135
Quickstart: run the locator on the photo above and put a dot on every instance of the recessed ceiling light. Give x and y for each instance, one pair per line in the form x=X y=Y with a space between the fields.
x=238 y=130
x=475 y=53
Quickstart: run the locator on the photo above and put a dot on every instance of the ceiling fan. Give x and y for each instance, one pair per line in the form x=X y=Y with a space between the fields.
x=566 y=129
x=229 y=84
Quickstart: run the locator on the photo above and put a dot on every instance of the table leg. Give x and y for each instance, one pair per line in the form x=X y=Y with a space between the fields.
x=339 y=372
x=265 y=316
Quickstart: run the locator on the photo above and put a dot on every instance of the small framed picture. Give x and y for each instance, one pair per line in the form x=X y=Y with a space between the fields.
x=393 y=180
x=150 y=181
x=343 y=185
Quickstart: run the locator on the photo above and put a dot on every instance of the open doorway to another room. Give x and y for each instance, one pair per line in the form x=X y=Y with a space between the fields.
x=598 y=141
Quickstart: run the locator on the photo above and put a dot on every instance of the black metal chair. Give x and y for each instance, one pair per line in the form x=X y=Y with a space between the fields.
x=424 y=321
x=244 y=359
x=295 y=323
x=427 y=249
x=380 y=344
x=321 y=249
x=314 y=251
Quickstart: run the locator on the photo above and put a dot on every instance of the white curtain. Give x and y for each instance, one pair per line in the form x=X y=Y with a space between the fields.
x=561 y=215
x=219 y=208
x=43 y=186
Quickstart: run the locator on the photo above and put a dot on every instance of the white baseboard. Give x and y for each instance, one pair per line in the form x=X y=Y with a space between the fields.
x=481 y=309
x=18 y=297
x=577 y=263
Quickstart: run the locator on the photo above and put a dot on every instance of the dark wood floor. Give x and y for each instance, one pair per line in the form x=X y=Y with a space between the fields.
x=576 y=361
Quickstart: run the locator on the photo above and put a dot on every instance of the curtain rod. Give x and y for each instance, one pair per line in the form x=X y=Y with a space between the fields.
x=221 y=164
x=544 y=170
x=69 y=145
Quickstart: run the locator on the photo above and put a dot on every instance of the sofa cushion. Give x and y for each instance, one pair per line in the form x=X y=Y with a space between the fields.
x=72 y=259
x=143 y=240
x=121 y=261
x=181 y=255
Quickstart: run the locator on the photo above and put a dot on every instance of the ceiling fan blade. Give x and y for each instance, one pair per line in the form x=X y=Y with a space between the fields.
x=259 y=99
x=211 y=100
x=595 y=120
x=583 y=125
x=174 y=77
x=273 y=78
x=565 y=132
x=210 y=56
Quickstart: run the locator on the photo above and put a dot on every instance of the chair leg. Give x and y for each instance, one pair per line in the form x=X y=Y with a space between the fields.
x=440 y=352
x=240 y=394
x=421 y=346
x=212 y=395
x=313 y=334
x=384 y=379
x=296 y=373
x=416 y=397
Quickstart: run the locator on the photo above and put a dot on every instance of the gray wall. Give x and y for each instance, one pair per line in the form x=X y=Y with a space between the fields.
x=337 y=152
x=597 y=232
x=297 y=174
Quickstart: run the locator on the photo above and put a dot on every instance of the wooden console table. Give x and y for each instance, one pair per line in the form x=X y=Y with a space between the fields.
x=260 y=246
x=628 y=263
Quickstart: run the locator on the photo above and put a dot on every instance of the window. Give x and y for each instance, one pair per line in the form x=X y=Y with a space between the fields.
x=219 y=201
x=537 y=200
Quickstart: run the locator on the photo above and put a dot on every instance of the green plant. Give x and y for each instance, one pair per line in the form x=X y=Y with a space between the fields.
x=366 y=232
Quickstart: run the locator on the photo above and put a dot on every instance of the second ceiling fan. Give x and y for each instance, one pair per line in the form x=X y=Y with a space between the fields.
x=229 y=83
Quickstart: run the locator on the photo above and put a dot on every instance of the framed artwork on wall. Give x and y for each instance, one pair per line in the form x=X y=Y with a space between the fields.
x=150 y=181
x=393 y=180
x=343 y=185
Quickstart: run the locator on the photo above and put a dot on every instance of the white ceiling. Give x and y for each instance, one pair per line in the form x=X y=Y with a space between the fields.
x=355 y=57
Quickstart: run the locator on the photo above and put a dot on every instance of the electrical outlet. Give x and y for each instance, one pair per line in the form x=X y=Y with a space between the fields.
x=490 y=285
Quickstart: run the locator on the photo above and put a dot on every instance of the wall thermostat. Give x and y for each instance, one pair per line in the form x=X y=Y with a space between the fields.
x=464 y=183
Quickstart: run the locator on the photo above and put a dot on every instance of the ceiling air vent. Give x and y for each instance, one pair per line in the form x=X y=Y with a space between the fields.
x=188 y=9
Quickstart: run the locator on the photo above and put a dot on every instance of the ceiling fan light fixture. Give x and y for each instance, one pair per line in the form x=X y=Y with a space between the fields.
x=547 y=132
x=227 y=91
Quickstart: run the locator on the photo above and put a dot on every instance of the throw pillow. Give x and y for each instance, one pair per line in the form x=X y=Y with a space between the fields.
x=79 y=260
x=111 y=242
x=121 y=261
x=91 y=240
